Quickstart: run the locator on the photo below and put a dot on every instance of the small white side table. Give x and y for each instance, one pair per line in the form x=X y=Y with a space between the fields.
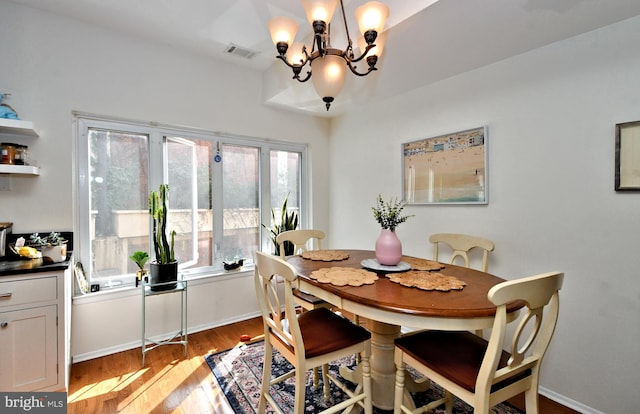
x=180 y=338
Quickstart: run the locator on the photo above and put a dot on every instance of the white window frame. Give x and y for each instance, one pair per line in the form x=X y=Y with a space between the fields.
x=157 y=175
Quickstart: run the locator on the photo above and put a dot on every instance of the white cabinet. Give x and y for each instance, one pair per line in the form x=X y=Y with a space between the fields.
x=34 y=337
x=29 y=359
x=15 y=130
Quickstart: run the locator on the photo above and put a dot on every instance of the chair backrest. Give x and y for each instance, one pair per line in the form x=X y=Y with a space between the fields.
x=299 y=239
x=461 y=244
x=268 y=272
x=530 y=340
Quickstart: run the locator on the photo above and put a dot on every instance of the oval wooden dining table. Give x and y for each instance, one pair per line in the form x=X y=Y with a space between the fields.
x=388 y=306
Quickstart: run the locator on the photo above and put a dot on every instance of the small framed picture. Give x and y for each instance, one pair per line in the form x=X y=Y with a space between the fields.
x=447 y=169
x=627 y=175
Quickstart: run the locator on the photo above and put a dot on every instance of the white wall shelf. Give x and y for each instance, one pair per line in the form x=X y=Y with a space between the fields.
x=19 y=169
x=17 y=127
x=11 y=129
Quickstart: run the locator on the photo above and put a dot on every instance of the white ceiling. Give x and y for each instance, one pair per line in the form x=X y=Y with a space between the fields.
x=427 y=40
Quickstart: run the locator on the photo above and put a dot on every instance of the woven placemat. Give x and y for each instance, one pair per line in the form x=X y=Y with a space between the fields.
x=343 y=276
x=325 y=255
x=422 y=264
x=427 y=280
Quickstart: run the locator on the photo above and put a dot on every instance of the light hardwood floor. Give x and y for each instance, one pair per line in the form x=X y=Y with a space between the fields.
x=171 y=382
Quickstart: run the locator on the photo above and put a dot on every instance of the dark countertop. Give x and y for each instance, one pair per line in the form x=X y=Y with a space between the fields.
x=24 y=266
x=13 y=264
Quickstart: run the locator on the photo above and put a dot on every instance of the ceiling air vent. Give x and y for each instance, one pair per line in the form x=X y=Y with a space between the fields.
x=239 y=51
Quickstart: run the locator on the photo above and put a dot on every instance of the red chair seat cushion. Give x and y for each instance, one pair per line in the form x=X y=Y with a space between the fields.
x=455 y=355
x=323 y=332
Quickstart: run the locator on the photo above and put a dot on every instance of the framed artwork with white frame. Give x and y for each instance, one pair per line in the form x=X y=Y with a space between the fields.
x=447 y=169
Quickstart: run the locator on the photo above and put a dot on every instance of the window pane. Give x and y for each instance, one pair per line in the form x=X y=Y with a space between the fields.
x=285 y=180
x=241 y=221
x=189 y=174
x=118 y=197
x=112 y=184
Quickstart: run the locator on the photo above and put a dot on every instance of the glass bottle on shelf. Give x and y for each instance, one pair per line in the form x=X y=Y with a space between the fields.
x=8 y=153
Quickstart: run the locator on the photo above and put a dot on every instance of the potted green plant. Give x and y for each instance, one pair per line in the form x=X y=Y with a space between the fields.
x=389 y=215
x=164 y=268
x=140 y=259
x=288 y=221
x=52 y=246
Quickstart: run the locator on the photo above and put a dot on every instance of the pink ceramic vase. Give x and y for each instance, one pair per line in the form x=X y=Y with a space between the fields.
x=388 y=248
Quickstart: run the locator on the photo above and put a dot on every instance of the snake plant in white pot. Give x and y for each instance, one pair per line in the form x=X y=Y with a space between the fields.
x=165 y=268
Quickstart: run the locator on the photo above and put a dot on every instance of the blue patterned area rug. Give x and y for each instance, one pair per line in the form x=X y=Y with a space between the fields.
x=238 y=372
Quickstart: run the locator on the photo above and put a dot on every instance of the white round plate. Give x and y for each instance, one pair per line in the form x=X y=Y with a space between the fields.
x=373 y=264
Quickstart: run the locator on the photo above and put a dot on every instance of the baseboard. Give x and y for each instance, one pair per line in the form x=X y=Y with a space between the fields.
x=567 y=402
x=137 y=343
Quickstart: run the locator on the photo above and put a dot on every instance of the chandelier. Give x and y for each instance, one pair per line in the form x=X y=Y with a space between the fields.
x=329 y=65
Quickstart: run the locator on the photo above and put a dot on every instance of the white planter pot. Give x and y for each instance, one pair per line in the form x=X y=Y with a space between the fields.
x=55 y=253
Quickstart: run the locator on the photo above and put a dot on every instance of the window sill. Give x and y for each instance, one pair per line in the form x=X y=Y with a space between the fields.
x=192 y=279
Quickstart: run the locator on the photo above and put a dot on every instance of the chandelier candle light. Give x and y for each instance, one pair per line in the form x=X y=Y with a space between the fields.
x=329 y=65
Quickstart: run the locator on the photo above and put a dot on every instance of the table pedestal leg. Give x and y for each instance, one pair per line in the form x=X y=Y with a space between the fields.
x=383 y=370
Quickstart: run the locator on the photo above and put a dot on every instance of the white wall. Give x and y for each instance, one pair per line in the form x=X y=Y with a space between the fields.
x=53 y=66
x=551 y=116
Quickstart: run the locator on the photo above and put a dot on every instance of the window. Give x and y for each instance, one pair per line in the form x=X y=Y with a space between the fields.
x=221 y=190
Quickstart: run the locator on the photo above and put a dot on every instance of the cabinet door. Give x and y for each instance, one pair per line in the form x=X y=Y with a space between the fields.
x=28 y=360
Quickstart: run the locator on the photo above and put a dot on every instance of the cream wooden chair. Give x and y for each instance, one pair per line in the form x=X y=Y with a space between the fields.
x=310 y=339
x=461 y=244
x=478 y=371
x=300 y=239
